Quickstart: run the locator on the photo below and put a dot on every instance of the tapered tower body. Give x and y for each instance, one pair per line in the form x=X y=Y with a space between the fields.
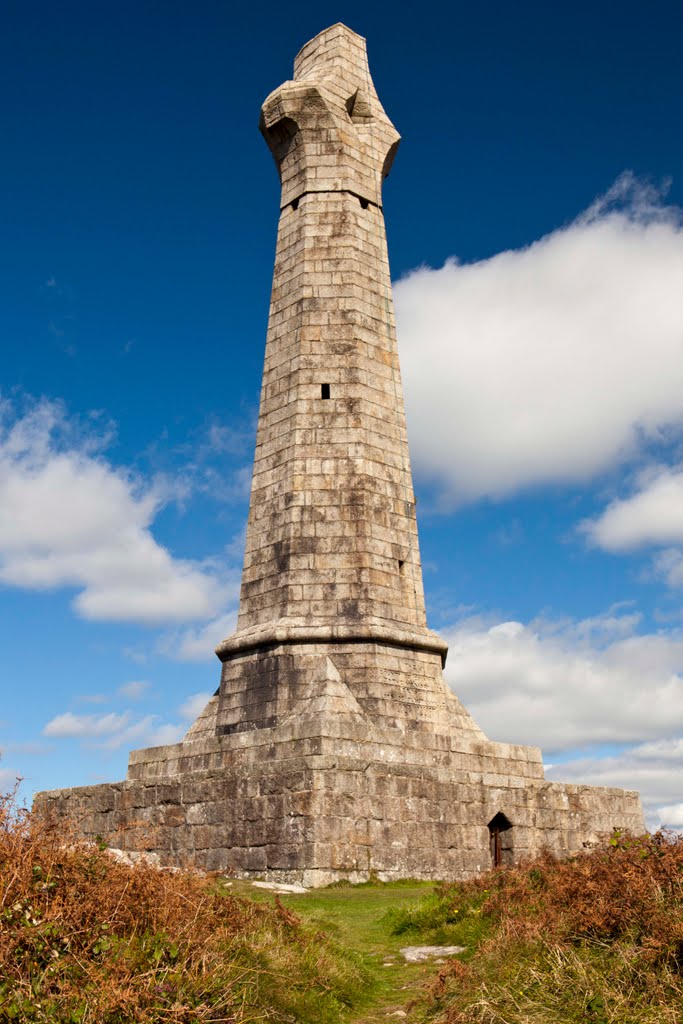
x=333 y=747
x=332 y=497
x=332 y=565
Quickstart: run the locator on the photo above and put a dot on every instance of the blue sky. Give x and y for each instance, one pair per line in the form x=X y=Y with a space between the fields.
x=535 y=236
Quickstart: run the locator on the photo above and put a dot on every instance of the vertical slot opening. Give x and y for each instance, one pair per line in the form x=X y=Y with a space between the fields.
x=401 y=564
x=364 y=203
x=324 y=390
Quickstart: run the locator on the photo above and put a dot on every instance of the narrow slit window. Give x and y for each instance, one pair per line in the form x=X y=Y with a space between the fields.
x=295 y=204
x=324 y=390
x=401 y=563
x=364 y=203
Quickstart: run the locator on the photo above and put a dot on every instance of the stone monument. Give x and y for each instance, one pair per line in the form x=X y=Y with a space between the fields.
x=333 y=747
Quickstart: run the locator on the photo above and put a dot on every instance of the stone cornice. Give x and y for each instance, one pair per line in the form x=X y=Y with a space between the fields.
x=288 y=631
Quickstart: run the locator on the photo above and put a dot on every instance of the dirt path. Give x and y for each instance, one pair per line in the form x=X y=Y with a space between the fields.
x=358 y=917
x=394 y=1004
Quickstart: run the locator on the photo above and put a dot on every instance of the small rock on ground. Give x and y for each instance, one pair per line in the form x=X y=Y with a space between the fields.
x=415 y=954
x=132 y=857
x=280 y=887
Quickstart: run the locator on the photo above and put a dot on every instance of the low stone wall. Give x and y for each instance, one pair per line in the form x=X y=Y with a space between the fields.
x=316 y=809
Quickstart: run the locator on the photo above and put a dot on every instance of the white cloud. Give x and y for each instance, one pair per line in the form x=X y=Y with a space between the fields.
x=567 y=684
x=134 y=690
x=199 y=644
x=126 y=729
x=668 y=566
x=8 y=780
x=143 y=732
x=651 y=516
x=111 y=731
x=593 y=685
x=550 y=363
x=672 y=815
x=661 y=750
x=69 y=725
x=194 y=705
x=69 y=518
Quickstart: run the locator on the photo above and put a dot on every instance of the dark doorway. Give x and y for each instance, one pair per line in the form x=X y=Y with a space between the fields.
x=500 y=840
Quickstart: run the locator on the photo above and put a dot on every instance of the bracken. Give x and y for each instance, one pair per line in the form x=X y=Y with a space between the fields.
x=85 y=939
x=596 y=939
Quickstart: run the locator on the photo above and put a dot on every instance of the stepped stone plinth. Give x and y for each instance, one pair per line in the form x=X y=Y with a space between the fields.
x=333 y=748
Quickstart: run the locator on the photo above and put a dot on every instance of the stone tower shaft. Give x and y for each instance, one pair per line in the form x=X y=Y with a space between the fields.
x=332 y=534
x=332 y=614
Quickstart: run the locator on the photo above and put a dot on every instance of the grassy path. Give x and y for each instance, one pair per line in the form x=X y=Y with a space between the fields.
x=356 y=917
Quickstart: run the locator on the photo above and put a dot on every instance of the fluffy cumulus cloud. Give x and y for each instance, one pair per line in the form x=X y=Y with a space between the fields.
x=194 y=705
x=652 y=515
x=112 y=731
x=569 y=683
x=550 y=363
x=199 y=644
x=595 y=684
x=125 y=729
x=70 y=518
x=69 y=725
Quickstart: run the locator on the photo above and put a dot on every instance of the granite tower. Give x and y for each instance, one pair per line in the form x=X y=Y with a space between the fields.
x=333 y=747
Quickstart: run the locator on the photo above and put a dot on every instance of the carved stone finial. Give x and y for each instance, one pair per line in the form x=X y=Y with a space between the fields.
x=327 y=129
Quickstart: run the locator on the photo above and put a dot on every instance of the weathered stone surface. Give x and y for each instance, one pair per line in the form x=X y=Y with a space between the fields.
x=333 y=747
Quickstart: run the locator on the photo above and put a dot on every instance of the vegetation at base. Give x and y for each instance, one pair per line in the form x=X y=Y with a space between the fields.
x=358 y=917
x=595 y=939
x=439 y=921
x=85 y=939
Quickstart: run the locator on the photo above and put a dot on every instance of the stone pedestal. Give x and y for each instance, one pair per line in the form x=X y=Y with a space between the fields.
x=328 y=796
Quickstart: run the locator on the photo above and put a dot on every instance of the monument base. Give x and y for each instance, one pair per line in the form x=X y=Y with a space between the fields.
x=315 y=800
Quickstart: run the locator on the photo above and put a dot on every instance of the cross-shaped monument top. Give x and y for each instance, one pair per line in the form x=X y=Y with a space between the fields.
x=327 y=129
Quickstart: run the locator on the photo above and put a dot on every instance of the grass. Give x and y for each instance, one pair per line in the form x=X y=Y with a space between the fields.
x=360 y=918
x=436 y=921
x=84 y=939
